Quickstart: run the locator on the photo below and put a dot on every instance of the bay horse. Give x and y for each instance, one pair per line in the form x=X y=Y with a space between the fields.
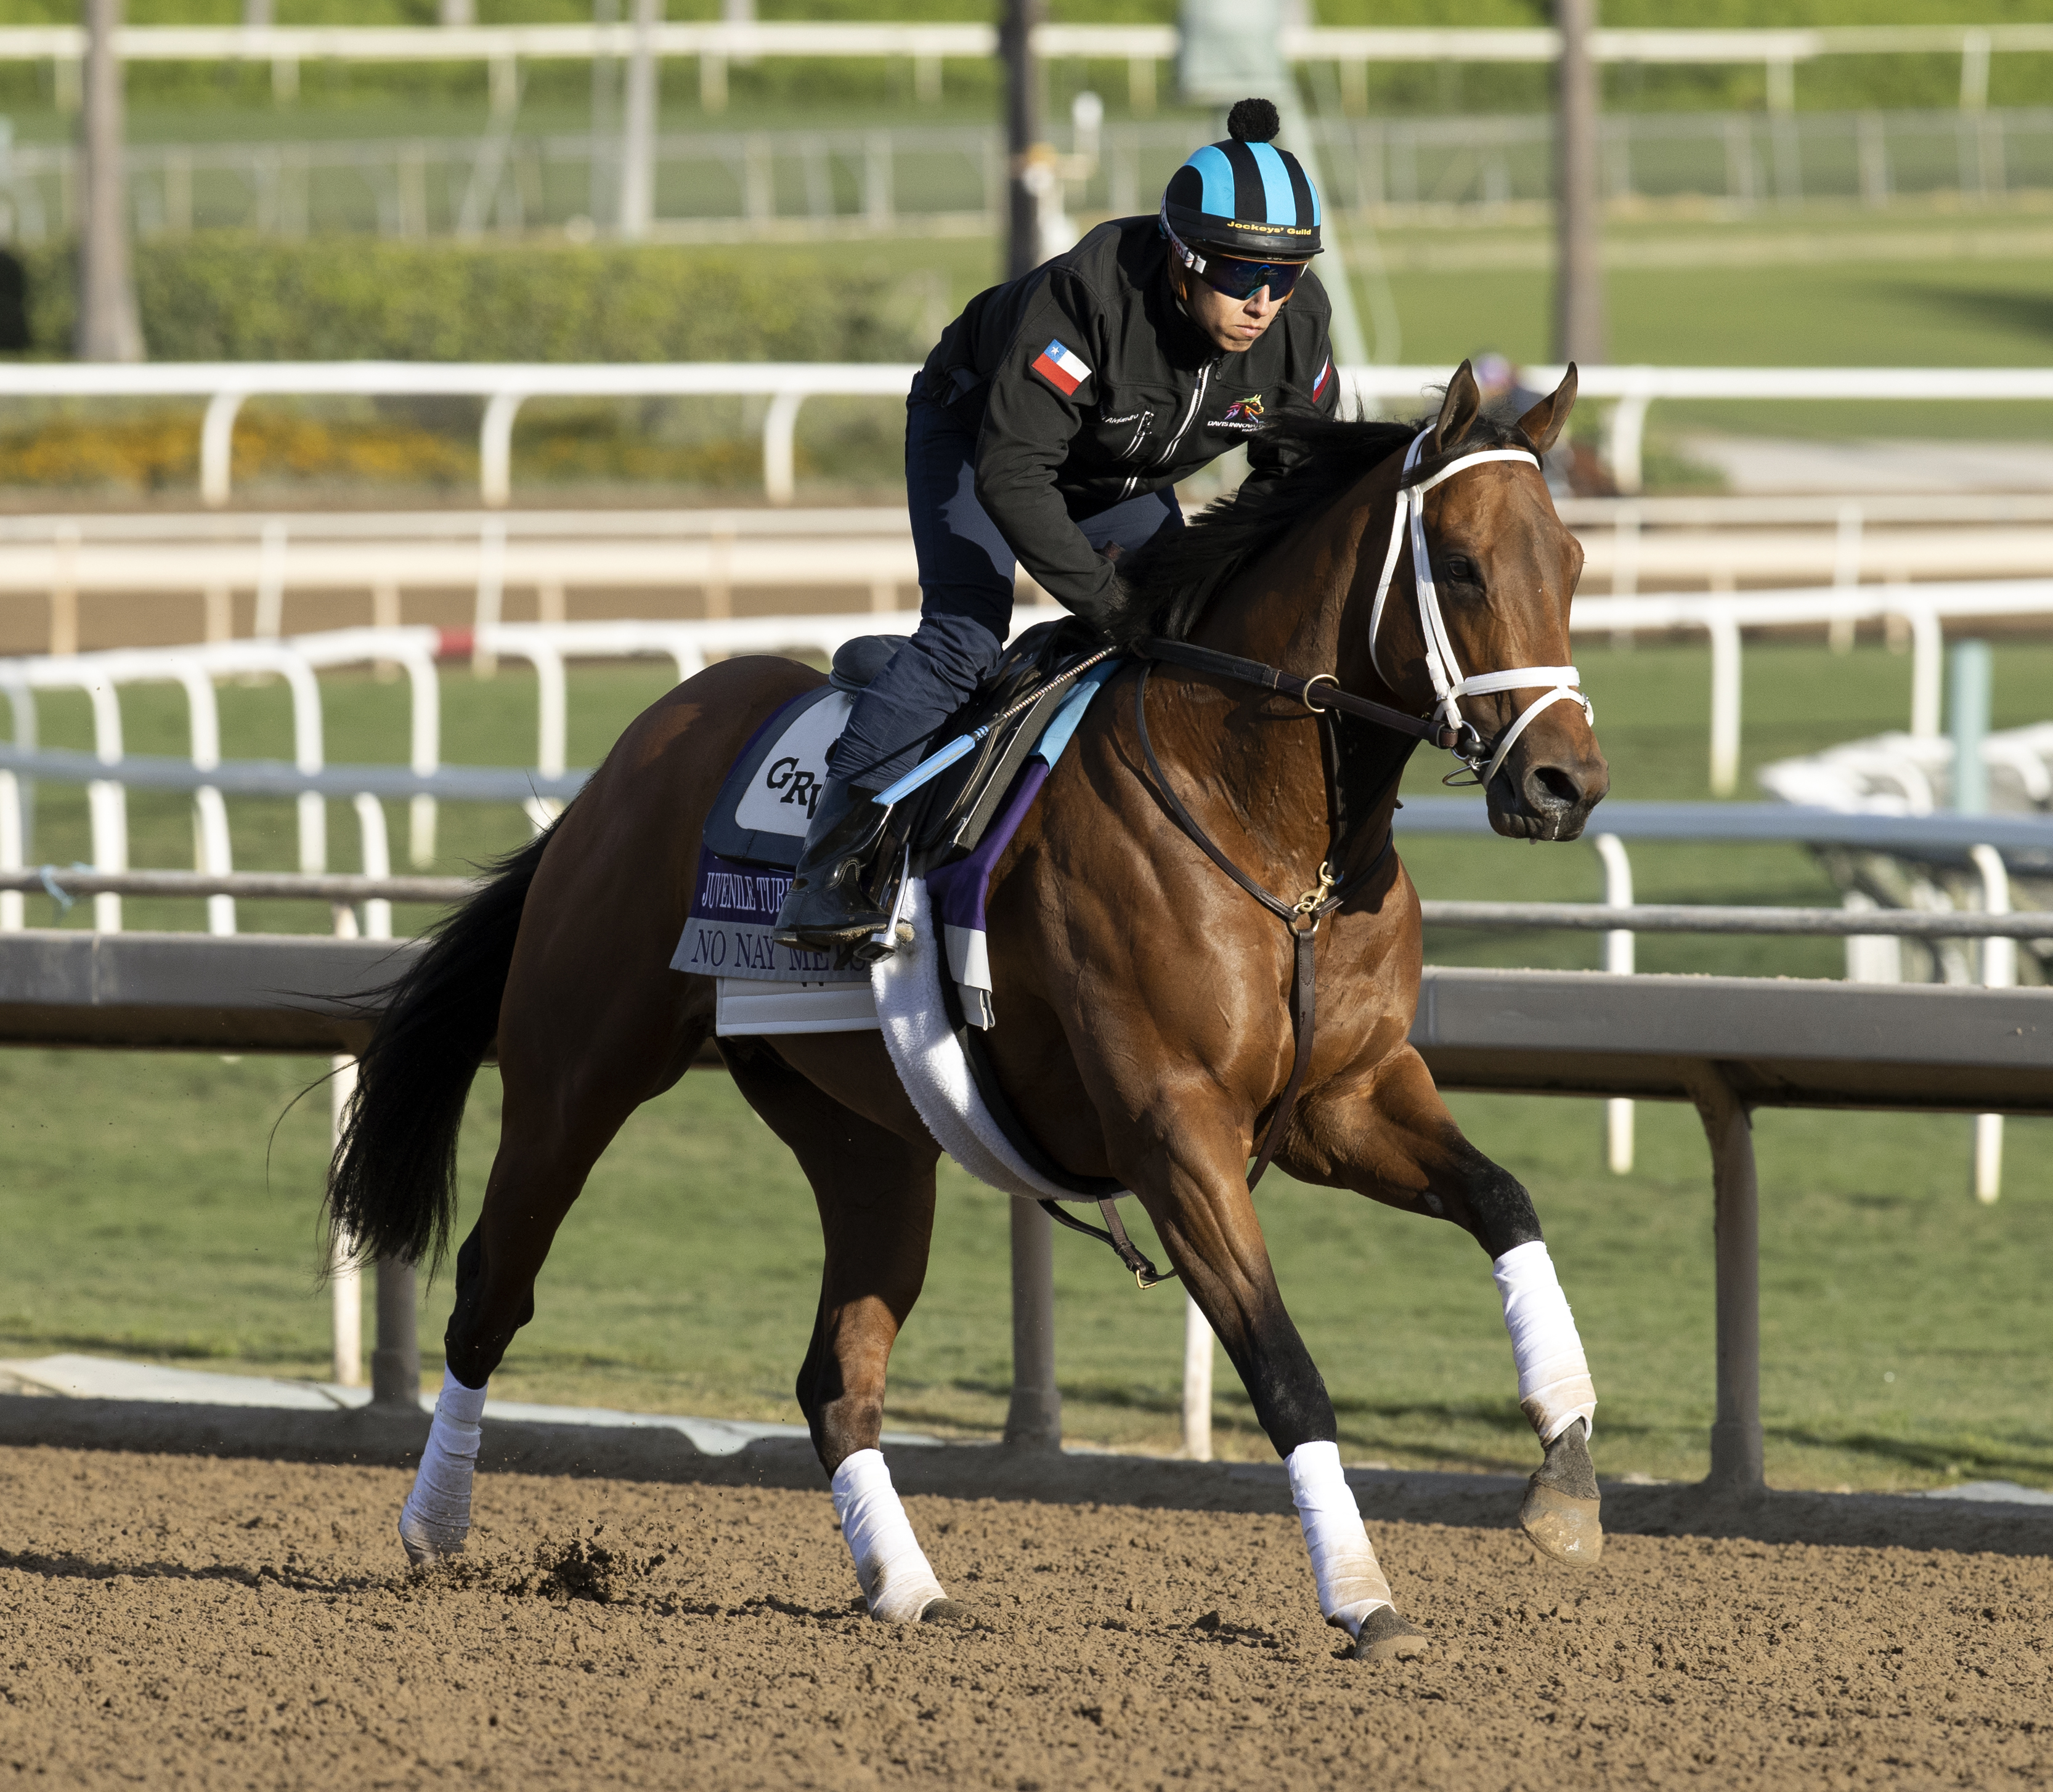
x=1146 y=1002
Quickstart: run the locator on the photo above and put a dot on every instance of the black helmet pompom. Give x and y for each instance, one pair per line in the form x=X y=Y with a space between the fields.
x=1252 y=121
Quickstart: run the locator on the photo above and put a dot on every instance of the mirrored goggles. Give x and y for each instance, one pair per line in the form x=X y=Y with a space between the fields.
x=1243 y=279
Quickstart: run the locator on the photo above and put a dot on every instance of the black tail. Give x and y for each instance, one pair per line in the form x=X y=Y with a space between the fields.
x=391 y=1190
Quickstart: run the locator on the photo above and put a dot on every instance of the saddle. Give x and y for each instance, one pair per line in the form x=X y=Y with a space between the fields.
x=946 y=819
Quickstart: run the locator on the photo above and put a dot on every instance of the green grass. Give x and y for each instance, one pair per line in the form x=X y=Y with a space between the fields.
x=152 y=1211
x=144 y=1220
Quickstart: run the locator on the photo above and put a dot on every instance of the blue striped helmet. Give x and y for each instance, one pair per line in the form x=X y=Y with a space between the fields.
x=1244 y=197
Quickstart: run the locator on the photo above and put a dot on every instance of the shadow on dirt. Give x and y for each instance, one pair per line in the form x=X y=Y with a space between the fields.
x=991 y=1471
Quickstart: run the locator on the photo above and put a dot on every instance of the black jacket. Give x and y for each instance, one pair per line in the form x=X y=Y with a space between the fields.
x=1135 y=399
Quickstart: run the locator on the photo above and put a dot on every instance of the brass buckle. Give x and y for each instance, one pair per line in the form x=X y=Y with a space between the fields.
x=1308 y=905
x=1304 y=695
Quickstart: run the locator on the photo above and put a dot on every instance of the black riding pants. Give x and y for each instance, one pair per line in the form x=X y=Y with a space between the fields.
x=966 y=575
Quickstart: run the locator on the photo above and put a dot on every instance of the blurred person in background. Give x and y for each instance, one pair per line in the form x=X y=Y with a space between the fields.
x=1049 y=429
x=1571 y=468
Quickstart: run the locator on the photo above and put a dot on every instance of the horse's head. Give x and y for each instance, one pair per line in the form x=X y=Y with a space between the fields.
x=1485 y=635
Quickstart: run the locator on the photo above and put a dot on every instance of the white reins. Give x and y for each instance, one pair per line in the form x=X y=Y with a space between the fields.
x=1449 y=686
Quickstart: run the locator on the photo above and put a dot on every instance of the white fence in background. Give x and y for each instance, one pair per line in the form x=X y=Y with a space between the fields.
x=1629 y=391
x=714 y=46
x=944 y=180
x=1720 y=542
x=550 y=648
x=101 y=676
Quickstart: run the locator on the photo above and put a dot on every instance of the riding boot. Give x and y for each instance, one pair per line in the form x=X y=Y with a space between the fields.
x=827 y=905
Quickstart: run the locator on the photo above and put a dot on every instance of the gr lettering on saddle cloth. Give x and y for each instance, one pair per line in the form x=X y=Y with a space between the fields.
x=786 y=790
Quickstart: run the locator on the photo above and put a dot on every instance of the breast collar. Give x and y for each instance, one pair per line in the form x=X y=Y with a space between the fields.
x=1559 y=683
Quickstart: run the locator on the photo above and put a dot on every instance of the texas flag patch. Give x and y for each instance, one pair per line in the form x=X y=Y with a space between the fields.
x=1319 y=385
x=1062 y=368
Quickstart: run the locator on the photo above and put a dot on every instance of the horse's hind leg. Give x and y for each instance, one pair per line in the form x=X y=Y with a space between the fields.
x=1391 y=1137
x=572 y=1073
x=875 y=1191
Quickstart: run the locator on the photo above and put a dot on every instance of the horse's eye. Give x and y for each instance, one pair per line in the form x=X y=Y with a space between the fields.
x=1461 y=570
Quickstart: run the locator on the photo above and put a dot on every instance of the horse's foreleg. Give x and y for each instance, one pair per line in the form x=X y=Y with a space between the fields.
x=875 y=1191
x=1390 y=1136
x=1194 y=1189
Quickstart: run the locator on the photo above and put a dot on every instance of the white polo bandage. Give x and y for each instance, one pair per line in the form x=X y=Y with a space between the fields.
x=1351 y=1584
x=889 y=1564
x=1554 y=1385
x=436 y=1518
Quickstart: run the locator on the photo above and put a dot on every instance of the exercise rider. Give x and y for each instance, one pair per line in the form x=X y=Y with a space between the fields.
x=1049 y=427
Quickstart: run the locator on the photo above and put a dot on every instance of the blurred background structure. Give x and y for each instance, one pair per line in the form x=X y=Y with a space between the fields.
x=645 y=280
x=533 y=182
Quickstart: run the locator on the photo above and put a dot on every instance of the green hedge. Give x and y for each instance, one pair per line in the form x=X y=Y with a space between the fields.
x=229 y=297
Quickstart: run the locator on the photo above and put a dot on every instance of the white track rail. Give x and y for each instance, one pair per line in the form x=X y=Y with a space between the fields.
x=1921 y=611
x=505 y=387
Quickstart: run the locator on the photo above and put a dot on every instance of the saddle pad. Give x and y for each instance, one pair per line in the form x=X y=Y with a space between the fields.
x=766 y=801
x=764 y=806
x=734 y=907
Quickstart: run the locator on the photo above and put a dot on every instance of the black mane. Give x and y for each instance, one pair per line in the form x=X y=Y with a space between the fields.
x=1169 y=583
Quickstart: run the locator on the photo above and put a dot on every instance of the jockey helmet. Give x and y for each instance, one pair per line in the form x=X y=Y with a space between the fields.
x=1243 y=198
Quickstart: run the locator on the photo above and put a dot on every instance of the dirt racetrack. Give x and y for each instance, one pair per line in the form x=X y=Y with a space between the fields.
x=198 y=1620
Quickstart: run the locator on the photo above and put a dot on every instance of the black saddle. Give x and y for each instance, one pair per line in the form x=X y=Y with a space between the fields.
x=946 y=818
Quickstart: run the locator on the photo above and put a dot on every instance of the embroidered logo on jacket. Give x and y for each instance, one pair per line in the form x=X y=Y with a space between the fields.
x=1063 y=368
x=1243 y=415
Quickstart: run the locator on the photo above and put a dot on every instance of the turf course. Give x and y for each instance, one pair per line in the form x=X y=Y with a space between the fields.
x=151 y=1210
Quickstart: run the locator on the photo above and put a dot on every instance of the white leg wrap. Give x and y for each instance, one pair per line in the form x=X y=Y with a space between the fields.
x=890 y=1564
x=1554 y=1385
x=1351 y=1584
x=436 y=1518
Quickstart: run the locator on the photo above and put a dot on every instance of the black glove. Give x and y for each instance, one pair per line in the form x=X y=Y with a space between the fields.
x=1111 y=611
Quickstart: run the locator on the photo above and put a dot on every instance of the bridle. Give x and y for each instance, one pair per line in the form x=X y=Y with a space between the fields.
x=1450 y=684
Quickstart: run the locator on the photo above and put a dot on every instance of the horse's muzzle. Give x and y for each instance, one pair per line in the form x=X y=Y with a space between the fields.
x=1546 y=796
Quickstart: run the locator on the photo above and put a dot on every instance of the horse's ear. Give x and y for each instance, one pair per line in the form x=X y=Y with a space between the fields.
x=1459 y=409
x=1543 y=423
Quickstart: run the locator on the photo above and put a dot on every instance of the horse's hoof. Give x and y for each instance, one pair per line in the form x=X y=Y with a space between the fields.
x=952 y=1611
x=1385 y=1636
x=1563 y=1526
x=422 y=1552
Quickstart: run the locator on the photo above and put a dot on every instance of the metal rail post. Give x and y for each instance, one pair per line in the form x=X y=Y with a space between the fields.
x=637 y=136
x=1619 y=962
x=1034 y=1421
x=1579 y=296
x=1737 y=1456
x=1197 y=1383
x=395 y=1364
x=345 y=1275
x=1034 y=1418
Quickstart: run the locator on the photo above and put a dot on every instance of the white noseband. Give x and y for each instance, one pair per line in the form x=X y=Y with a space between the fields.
x=1449 y=686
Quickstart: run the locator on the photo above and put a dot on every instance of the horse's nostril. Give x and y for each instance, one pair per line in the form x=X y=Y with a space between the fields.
x=1552 y=787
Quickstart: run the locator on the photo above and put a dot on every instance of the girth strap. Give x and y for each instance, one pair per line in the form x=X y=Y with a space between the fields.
x=1302 y=917
x=1113 y=1233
